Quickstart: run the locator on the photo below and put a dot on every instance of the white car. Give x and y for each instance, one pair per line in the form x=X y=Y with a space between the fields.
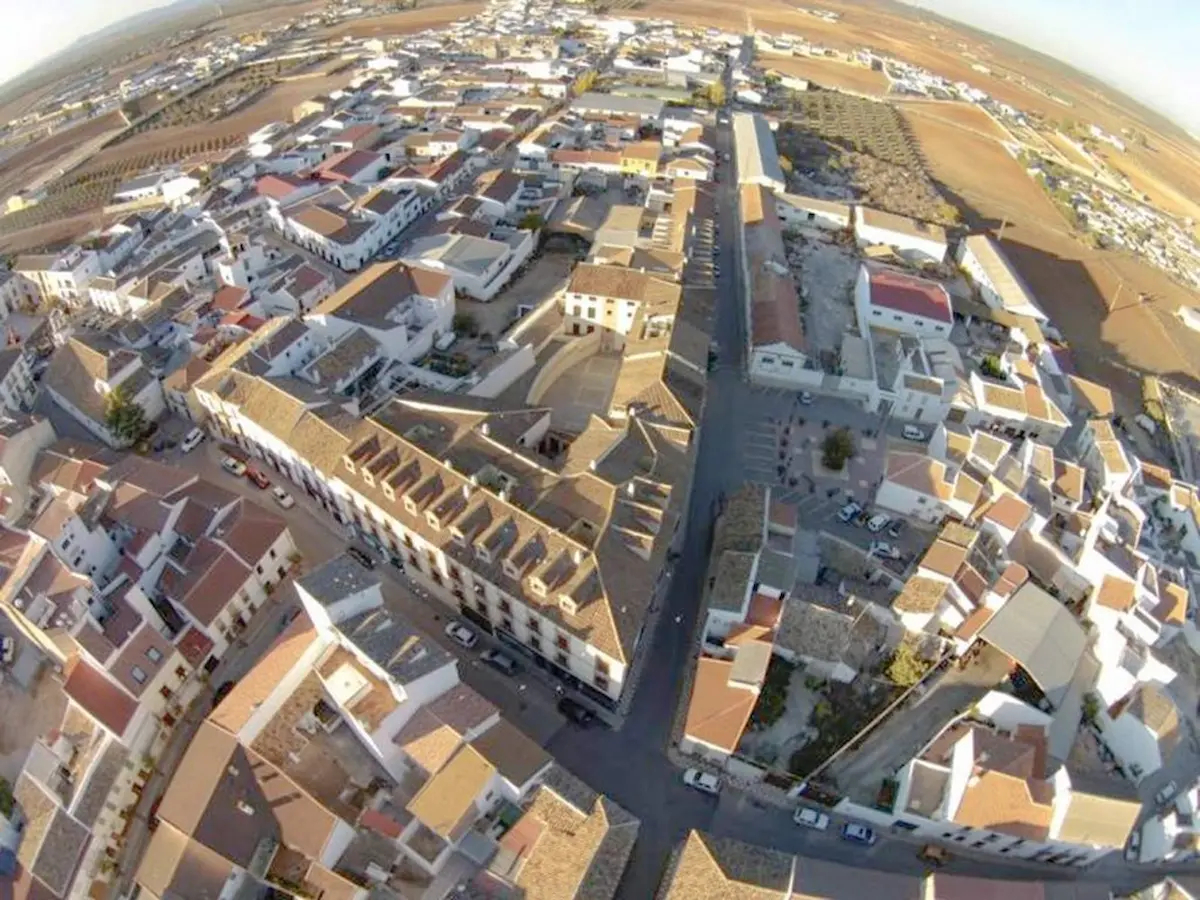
x=877 y=523
x=913 y=433
x=462 y=635
x=702 y=781
x=1166 y=793
x=810 y=818
x=282 y=497
x=884 y=549
x=849 y=511
x=192 y=440
x=233 y=466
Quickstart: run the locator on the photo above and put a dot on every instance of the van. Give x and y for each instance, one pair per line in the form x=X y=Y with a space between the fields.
x=192 y=440
x=912 y=433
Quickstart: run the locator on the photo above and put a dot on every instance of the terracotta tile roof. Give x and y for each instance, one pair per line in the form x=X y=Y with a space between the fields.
x=257 y=685
x=194 y=645
x=1172 y=604
x=944 y=558
x=515 y=756
x=920 y=595
x=1116 y=593
x=1008 y=511
x=920 y=473
x=975 y=621
x=99 y=697
x=717 y=712
x=1068 y=480
x=708 y=867
x=905 y=293
x=1157 y=476
x=428 y=741
x=446 y=802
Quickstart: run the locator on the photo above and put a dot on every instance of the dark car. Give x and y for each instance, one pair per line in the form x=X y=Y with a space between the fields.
x=360 y=557
x=576 y=711
x=500 y=661
x=221 y=693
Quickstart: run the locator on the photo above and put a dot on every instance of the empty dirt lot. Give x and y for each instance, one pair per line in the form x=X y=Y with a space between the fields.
x=1076 y=284
x=829 y=73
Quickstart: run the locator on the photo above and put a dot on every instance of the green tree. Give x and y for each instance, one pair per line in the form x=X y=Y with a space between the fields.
x=836 y=449
x=990 y=366
x=1091 y=707
x=786 y=164
x=6 y=798
x=124 y=418
x=465 y=323
x=906 y=667
x=716 y=93
x=531 y=221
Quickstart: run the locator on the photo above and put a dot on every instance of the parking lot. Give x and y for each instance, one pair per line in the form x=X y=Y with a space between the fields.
x=781 y=447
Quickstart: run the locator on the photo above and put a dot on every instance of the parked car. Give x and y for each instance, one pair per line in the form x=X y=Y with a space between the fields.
x=461 y=634
x=1166 y=793
x=576 y=711
x=233 y=466
x=258 y=478
x=897 y=528
x=1133 y=850
x=360 y=557
x=884 y=549
x=192 y=440
x=282 y=497
x=810 y=818
x=912 y=433
x=877 y=523
x=806 y=398
x=702 y=781
x=501 y=661
x=859 y=834
x=849 y=511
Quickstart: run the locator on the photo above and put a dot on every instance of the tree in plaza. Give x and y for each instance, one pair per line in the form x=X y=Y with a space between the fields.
x=836 y=449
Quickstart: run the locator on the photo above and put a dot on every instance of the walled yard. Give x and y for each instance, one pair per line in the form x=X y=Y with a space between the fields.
x=864 y=145
x=824 y=270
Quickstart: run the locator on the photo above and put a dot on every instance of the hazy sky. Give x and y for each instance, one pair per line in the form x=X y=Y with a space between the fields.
x=1147 y=48
x=41 y=27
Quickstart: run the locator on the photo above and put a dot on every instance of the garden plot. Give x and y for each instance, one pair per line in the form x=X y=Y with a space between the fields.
x=780 y=722
x=824 y=271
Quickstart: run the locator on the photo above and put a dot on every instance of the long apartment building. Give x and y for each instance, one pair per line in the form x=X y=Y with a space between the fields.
x=562 y=558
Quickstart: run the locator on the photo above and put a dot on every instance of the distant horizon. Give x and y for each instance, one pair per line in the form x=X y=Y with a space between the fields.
x=1155 y=75
x=1141 y=48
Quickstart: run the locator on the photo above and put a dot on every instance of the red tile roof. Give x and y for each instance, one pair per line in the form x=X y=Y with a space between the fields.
x=98 y=697
x=380 y=823
x=278 y=187
x=906 y=293
x=194 y=646
x=229 y=298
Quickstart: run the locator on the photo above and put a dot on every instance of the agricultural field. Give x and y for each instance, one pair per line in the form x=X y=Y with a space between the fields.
x=212 y=103
x=962 y=115
x=404 y=22
x=864 y=147
x=24 y=166
x=1091 y=295
x=829 y=73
